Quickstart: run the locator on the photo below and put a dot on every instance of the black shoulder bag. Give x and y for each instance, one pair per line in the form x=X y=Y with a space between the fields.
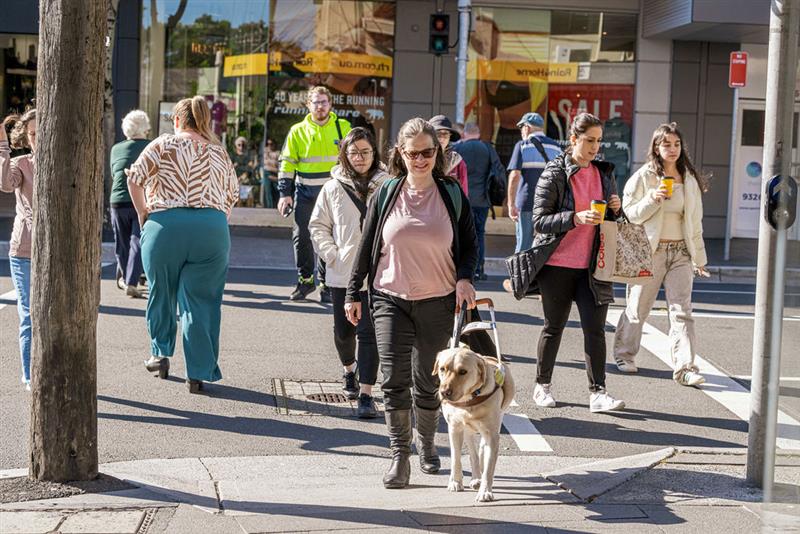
x=360 y=204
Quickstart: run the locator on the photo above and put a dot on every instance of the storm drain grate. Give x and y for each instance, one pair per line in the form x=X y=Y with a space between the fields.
x=315 y=397
x=331 y=398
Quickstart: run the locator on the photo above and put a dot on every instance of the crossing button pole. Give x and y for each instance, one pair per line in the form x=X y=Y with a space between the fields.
x=777 y=193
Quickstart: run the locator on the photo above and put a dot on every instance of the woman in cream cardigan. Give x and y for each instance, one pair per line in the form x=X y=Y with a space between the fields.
x=674 y=227
x=335 y=228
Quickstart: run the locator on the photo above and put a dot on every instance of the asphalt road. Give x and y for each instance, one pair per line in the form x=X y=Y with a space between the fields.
x=266 y=337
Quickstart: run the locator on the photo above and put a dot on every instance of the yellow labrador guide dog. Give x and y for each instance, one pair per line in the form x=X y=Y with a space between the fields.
x=475 y=391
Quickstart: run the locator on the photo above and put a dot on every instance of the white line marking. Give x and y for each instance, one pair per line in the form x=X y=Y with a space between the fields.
x=783 y=378
x=717 y=291
x=524 y=433
x=719 y=386
x=11 y=295
x=662 y=313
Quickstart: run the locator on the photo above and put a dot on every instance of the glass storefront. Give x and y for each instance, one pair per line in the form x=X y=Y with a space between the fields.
x=18 y=57
x=556 y=63
x=254 y=60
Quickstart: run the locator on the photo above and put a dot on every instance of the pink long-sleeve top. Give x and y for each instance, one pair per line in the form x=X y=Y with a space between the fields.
x=16 y=176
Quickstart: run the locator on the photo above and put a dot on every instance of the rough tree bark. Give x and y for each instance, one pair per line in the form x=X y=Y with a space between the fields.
x=67 y=200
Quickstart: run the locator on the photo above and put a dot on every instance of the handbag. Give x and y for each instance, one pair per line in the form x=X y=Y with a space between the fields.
x=521 y=272
x=625 y=254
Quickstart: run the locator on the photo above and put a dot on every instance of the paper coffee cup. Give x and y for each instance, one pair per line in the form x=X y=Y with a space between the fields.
x=600 y=207
x=668 y=181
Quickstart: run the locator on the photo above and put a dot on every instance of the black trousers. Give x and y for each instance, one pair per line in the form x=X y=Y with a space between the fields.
x=304 y=199
x=125 y=223
x=355 y=340
x=560 y=287
x=410 y=333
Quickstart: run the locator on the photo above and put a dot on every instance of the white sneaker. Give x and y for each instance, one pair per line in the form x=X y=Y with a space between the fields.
x=542 y=396
x=627 y=367
x=601 y=401
x=690 y=378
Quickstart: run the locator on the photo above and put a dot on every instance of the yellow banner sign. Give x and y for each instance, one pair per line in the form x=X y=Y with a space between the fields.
x=245 y=65
x=345 y=63
x=313 y=61
x=521 y=71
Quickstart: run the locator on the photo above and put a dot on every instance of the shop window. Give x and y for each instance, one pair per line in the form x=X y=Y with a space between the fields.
x=344 y=45
x=254 y=60
x=18 y=58
x=556 y=63
x=752 y=127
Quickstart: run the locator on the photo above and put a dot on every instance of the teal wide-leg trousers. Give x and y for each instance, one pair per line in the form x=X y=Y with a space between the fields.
x=185 y=255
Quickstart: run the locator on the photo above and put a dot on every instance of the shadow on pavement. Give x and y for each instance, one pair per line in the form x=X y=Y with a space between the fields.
x=317 y=438
x=618 y=432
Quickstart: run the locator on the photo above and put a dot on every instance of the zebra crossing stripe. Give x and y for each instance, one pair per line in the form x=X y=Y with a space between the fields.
x=524 y=432
x=719 y=386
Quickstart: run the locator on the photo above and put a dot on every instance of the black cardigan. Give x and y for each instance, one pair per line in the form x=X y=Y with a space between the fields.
x=464 y=246
x=554 y=211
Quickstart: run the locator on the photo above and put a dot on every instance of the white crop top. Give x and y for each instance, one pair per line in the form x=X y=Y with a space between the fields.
x=672 y=229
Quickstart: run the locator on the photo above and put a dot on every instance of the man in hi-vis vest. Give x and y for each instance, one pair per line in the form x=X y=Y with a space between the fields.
x=309 y=153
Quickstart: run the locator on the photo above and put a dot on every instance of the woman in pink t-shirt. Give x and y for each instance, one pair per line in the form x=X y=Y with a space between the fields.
x=418 y=252
x=565 y=247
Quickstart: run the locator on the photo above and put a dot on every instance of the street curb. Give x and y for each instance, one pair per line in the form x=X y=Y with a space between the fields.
x=589 y=481
x=730 y=274
x=494 y=266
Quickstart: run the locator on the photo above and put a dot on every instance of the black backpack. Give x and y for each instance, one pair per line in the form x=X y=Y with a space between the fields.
x=497 y=180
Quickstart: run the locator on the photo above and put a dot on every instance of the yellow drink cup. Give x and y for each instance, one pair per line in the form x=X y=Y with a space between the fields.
x=667 y=182
x=600 y=207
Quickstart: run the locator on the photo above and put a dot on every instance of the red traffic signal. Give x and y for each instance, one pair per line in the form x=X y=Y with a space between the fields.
x=439 y=42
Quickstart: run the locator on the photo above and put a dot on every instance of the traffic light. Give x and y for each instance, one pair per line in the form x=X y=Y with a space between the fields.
x=440 y=34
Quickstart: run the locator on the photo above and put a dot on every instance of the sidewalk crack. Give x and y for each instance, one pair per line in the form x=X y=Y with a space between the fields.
x=220 y=507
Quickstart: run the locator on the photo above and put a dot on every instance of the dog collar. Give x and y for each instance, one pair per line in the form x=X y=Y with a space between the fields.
x=475 y=400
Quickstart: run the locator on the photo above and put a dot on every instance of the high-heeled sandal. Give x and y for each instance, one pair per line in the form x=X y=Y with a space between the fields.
x=159 y=365
x=195 y=386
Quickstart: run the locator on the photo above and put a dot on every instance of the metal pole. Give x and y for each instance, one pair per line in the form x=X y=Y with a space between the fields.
x=732 y=174
x=464 y=14
x=781 y=69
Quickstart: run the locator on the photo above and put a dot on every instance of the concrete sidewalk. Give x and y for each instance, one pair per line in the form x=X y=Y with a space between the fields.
x=667 y=490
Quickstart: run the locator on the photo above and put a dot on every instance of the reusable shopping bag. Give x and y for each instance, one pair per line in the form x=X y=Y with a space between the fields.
x=624 y=255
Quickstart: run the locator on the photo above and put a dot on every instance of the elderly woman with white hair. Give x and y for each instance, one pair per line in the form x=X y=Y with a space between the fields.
x=136 y=127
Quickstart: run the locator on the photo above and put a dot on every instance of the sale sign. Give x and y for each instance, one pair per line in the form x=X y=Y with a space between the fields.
x=737 y=70
x=605 y=101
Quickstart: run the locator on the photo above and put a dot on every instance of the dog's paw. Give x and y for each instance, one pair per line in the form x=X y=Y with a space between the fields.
x=475 y=483
x=484 y=496
x=455 y=485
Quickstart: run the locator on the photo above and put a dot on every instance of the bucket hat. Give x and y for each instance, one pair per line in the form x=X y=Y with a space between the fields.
x=441 y=122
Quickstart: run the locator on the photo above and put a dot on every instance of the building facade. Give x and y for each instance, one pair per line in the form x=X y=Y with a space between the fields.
x=633 y=63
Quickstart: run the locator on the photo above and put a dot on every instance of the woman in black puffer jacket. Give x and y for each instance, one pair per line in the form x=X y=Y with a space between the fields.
x=565 y=252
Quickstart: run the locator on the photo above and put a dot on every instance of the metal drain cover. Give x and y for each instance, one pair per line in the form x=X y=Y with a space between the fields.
x=315 y=397
x=330 y=398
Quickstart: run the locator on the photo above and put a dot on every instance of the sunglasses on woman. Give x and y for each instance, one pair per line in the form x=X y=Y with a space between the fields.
x=415 y=154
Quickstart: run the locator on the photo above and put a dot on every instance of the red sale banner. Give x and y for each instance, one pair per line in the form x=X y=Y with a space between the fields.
x=607 y=101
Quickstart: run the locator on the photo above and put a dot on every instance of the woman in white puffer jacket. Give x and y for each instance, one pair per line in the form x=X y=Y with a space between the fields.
x=674 y=227
x=335 y=228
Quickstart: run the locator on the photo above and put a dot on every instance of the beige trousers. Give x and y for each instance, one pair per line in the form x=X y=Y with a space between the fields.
x=672 y=267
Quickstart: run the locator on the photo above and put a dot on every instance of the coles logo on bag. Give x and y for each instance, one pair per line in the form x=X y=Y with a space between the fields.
x=601 y=253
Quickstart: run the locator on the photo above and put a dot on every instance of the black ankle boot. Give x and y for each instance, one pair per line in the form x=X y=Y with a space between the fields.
x=427 y=424
x=398 y=423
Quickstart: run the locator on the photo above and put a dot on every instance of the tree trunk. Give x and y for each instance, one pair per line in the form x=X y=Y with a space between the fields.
x=65 y=290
